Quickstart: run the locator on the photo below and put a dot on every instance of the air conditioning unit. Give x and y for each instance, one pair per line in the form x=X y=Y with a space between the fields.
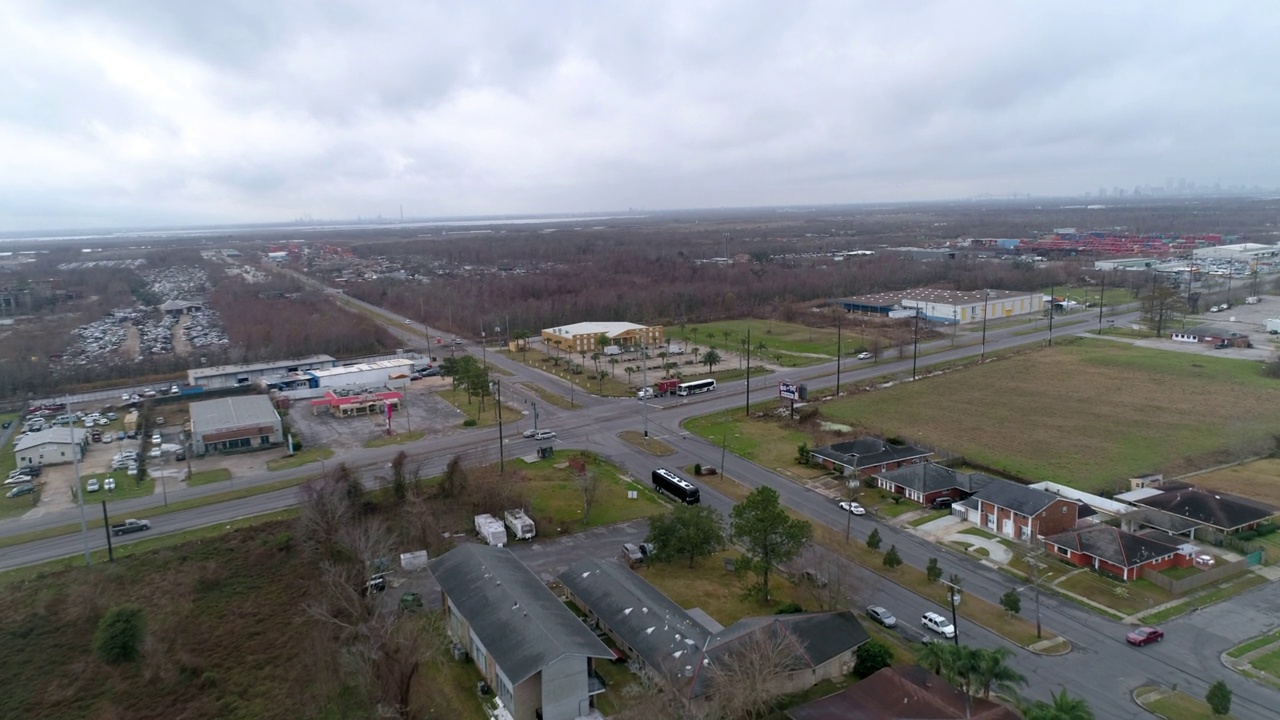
x=459 y=652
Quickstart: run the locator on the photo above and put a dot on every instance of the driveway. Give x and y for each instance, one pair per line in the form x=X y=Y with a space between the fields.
x=952 y=529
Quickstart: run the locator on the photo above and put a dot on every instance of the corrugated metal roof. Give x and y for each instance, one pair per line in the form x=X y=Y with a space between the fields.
x=610 y=329
x=521 y=623
x=209 y=416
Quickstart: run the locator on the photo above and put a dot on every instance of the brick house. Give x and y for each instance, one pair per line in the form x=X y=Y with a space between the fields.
x=1116 y=552
x=925 y=482
x=867 y=455
x=1210 y=335
x=1227 y=514
x=1016 y=511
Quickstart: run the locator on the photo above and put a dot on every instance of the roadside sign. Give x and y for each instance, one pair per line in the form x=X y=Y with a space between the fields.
x=788 y=390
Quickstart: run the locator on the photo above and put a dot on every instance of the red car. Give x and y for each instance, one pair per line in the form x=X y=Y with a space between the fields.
x=1145 y=636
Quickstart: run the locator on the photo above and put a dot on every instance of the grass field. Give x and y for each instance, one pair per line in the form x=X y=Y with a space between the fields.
x=127 y=486
x=556 y=502
x=1220 y=592
x=771 y=444
x=1269 y=663
x=784 y=343
x=1255 y=644
x=227 y=638
x=1086 y=414
x=205 y=477
x=300 y=458
x=397 y=439
x=1178 y=705
x=717 y=591
x=1259 y=480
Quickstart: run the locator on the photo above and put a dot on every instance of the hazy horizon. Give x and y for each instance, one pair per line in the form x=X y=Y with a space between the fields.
x=173 y=115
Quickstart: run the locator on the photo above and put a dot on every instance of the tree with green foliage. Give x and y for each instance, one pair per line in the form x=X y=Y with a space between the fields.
x=1063 y=707
x=803 y=454
x=1011 y=602
x=989 y=669
x=711 y=358
x=933 y=572
x=769 y=536
x=937 y=658
x=688 y=531
x=119 y=636
x=1219 y=698
x=873 y=656
x=873 y=540
x=891 y=558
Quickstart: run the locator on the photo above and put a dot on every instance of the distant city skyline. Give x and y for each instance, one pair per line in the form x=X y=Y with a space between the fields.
x=176 y=114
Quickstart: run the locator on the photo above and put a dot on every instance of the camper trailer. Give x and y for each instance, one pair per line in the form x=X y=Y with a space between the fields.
x=521 y=526
x=491 y=530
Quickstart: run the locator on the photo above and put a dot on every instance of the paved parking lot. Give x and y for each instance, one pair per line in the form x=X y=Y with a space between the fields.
x=423 y=410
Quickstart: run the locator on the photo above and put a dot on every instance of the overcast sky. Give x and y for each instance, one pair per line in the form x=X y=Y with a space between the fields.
x=127 y=113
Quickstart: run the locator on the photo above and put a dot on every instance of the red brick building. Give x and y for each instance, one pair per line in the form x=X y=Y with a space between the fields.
x=1116 y=552
x=1020 y=512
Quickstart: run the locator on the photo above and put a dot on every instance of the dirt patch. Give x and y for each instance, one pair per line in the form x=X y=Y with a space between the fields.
x=1258 y=480
x=132 y=346
x=180 y=344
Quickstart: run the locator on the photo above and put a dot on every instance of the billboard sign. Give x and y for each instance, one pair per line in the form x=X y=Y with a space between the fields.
x=788 y=390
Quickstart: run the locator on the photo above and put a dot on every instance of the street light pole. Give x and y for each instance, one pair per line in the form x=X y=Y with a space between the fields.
x=748 y=408
x=848 y=486
x=1102 y=297
x=1052 y=305
x=952 y=589
x=502 y=455
x=84 y=526
x=644 y=378
x=915 y=344
x=839 y=351
x=986 y=300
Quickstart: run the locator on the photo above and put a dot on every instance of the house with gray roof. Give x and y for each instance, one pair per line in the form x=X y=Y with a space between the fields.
x=1020 y=512
x=1116 y=552
x=867 y=455
x=1220 y=511
x=675 y=647
x=532 y=650
x=926 y=482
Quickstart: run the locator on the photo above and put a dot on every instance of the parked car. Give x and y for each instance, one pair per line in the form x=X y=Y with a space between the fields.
x=942 y=503
x=154 y=452
x=103 y=421
x=530 y=433
x=1145 y=636
x=5 y=425
x=19 y=491
x=108 y=438
x=936 y=623
x=814 y=578
x=159 y=419
x=31 y=470
x=853 y=507
x=155 y=438
x=174 y=390
x=544 y=435
x=631 y=553
x=882 y=616
x=149 y=393
x=862 y=356
x=120 y=436
x=112 y=416
x=109 y=484
x=92 y=485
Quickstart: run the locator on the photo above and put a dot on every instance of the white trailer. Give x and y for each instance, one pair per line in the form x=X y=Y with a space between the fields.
x=491 y=530
x=520 y=524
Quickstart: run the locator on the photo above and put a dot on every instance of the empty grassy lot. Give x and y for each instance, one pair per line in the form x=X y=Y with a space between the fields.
x=556 y=500
x=1177 y=705
x=1259 y=480
x=708 y=585
x=788 y=344
x=1086 y=413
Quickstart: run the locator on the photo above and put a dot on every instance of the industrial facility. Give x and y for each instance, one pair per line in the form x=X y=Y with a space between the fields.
x=947 y=306
x=225 y=376
x=235 y=424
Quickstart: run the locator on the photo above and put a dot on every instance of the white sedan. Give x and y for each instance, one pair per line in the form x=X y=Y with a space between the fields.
x=853 y=507
x=530 y=433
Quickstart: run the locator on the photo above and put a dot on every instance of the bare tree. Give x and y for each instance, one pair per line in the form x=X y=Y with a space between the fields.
x=648 y=699
x=744 y=676
x=326 y=509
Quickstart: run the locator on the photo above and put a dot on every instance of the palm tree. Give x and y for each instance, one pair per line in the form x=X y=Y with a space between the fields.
x=711 y=358
x=696 y=352
x=522 y=339
x=1063 y=707
x=990 y=670
x=595 y=358
x=938 y=658
x=613 y=366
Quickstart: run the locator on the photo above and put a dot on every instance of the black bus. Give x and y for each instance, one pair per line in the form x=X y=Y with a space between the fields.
x=665 y=481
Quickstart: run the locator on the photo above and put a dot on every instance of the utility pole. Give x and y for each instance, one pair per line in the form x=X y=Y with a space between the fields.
x=839 y=351
x=748 y=408
x=953 y=587
x=915 y=344
x=106 y=525
x=644 y=374
x=848 y=488
x=1052 y=305
x=501 y=450
x=986 y=300
x=84 y=526
x=1102 y=297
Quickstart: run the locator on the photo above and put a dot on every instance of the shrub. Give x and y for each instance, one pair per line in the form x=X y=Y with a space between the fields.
x=891 y=558
x=1246 y=535
x=789 y=609
x=469 y=422
x=697 y=468
x=873 y=656
x=119 y=635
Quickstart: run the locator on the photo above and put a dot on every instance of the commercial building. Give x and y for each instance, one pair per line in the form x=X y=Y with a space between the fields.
x=584 y=336
x=1210 y=335
x=235 y=424
x=384 y=373
x=947 y=306
x=225 y=376
x=1243 y=252
x=532 y=650
x=953 y=306
x=52 y=447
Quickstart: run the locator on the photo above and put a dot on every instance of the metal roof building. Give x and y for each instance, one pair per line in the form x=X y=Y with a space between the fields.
x=223 y=376
x=533 y=651
x=237 y=423
x=51 y=447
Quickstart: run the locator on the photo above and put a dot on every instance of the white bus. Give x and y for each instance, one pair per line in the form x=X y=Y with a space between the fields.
x=696 y=386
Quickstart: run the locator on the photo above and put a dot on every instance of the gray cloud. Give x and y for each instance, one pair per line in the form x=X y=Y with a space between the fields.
x=133 y=112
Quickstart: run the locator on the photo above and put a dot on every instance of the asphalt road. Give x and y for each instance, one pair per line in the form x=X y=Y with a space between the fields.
x=1101 y=668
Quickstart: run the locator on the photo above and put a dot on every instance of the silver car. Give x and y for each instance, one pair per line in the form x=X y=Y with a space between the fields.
x=882 y=616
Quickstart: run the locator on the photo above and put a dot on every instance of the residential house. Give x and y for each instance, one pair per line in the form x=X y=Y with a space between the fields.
x=531 y=649
x=1210 y=335
x=927 y=481
x=52 y=446
x=901 y=692
x=867 y=455
x=1020 y=512
x=1116 y=552
x=684 y=648
x=1220 y=511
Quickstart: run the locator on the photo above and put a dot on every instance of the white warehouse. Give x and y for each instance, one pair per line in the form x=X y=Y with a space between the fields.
x=954 y=306
x=384 y=373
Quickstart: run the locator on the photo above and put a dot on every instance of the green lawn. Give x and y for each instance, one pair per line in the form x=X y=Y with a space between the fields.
x=649 y=444
x=1269 y=663
x=926 y=519
x=548 y=397
x=1087 y=413
x=793 y=342
x=300 y=458
x=1125 y=598
x=708 y=585
x=1178 y=705
x=556 y=501
x=1222 y=591
x=127 y=486
x=979 y=532
x=204 y=477
x=1255 y=644
x=771 y=444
